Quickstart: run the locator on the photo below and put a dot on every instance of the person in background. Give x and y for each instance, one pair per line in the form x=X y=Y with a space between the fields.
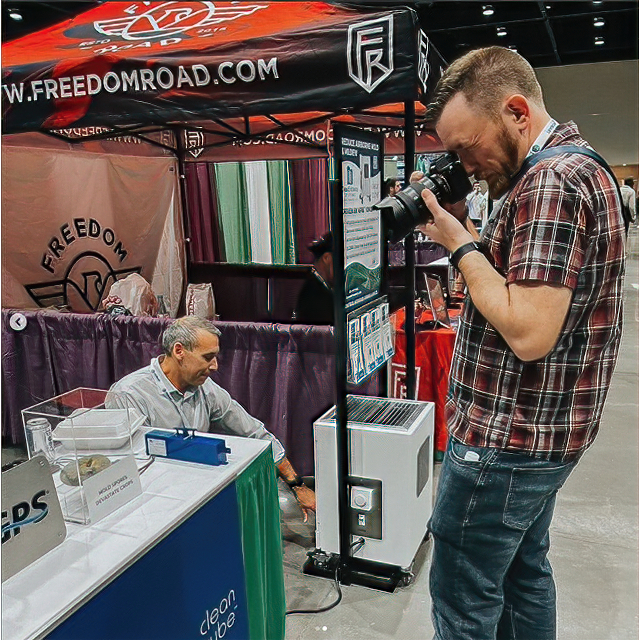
x=477 y=206
x=315 y=301
x=175 y=391
x=536 y=347
x=391 y=187
x=629 y=197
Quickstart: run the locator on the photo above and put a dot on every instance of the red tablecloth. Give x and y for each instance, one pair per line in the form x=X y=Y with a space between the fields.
x=434 y=350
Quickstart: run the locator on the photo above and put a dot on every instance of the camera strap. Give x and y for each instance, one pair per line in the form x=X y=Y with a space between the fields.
x=550 y=152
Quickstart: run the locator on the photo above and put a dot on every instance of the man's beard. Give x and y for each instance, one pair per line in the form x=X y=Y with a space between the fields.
x=499 y=183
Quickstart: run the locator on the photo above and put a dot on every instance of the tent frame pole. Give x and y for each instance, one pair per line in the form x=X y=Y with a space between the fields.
x=182 y=185
x=410 y=256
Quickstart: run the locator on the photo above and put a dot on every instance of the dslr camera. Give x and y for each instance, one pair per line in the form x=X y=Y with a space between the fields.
x=448 y=181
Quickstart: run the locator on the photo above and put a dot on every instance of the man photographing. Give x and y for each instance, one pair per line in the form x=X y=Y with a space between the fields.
x=536 y=347
x=175 y=391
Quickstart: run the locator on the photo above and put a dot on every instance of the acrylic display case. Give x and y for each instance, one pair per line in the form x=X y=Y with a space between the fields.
x=89 y=437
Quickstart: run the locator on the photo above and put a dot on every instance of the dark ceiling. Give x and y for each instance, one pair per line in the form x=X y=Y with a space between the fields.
x=546 y=33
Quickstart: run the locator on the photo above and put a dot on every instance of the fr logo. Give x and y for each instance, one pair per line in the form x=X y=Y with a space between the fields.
x=399 y=378
x=194 y=142
x=370 y=52
x=423 y=60
x=170 y=19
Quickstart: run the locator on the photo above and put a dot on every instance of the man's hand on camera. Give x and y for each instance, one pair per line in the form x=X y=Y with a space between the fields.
x=457 y=210
x=446 y=229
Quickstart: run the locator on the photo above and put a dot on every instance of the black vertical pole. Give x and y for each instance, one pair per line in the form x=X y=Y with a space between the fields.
x=383 y=376
x=182 y=185
x=342 y=435
x=410 y=255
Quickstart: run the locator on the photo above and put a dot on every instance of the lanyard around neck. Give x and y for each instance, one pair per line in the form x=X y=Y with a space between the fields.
x=543 y=137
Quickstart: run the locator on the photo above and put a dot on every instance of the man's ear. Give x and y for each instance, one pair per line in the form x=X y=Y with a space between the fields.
x=178 y=351
x=517 y=109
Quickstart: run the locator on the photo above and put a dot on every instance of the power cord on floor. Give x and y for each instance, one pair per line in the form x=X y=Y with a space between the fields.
x=322 y=609
x=359 y=543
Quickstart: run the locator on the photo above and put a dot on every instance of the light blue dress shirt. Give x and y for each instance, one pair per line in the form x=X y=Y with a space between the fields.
x=205 y=408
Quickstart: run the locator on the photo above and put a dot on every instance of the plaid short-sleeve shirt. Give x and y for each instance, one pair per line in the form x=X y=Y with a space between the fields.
x=560 y=225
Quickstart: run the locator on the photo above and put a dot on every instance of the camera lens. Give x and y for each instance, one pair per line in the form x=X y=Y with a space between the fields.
x=403 y=212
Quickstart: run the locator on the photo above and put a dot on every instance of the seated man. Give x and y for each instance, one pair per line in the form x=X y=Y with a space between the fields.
x=315 y=301
x=175 y=391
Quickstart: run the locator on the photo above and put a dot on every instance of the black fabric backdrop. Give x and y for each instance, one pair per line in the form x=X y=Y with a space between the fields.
x=281 y=374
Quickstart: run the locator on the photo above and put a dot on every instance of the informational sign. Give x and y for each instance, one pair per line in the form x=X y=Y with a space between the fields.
x=112 y=488
x=437 y=302
x=359 y=155
x=369 y=339
x=32 y=522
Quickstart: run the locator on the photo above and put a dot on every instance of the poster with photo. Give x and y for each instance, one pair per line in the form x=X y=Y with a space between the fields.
x=356 y=360
x=360 y=160
x=376 y=335
x=387 y=337
x=367 y=342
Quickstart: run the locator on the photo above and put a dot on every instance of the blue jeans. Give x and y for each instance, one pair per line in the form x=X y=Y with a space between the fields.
x=490 y=577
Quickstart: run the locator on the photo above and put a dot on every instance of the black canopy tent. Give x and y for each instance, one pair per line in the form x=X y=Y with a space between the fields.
x=229 y=71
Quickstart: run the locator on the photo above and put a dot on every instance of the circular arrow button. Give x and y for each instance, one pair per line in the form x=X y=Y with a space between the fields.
x=17 y=322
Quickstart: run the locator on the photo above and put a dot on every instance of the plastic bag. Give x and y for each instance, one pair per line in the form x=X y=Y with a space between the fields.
x=200 y=301
x=133 y=293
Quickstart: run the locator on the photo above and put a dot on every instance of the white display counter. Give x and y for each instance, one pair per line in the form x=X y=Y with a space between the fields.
x=52 y=589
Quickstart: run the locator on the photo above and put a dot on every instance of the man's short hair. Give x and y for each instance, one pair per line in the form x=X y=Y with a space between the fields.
x=485 y=77
x=629 y=181
x=185 y=331
x=388 y=183
x=324 y=244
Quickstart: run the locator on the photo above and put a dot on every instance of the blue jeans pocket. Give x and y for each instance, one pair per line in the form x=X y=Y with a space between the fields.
x=466 y=455
x=529 y=492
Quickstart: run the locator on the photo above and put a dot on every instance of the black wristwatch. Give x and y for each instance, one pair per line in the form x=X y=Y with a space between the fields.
x=462 y=251
x=296 y=482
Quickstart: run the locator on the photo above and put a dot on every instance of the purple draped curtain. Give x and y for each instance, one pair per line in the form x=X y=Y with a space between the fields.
x=281 y=374
x=207 y=242
x=309 y=186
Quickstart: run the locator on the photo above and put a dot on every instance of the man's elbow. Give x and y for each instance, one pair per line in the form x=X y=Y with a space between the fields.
x=532 y=348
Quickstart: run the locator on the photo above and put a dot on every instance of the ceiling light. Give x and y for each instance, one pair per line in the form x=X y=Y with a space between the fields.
x=597 y=2
x=598 y=22
x=501 y=32
x=512 y=47
x=15 y=14
x=487 y=10
x=598 y=41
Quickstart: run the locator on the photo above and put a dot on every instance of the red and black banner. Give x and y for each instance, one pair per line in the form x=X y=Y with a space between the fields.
x=146 y=63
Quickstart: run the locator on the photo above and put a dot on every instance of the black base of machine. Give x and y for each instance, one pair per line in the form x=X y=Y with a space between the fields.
x=375 y=575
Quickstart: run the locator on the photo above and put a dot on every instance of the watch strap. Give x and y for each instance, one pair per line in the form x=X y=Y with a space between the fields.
x=462 y=251
x=296 y=482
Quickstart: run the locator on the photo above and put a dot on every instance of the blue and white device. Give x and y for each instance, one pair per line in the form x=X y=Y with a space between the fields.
x=187 y=447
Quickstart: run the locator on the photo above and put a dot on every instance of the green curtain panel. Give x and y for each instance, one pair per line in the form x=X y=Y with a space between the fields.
x=262 y=548
x=283 y=247
x=233 y=211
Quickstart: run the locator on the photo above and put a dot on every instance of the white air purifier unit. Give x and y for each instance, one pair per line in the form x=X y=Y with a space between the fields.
x=390 y=478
